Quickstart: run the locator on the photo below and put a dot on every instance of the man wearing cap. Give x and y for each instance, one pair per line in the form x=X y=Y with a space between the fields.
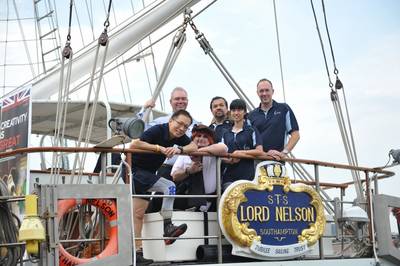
x=197 y=174
x=275 y=122
x=220 y=122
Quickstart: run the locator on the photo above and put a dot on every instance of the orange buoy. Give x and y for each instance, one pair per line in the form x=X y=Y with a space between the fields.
x=108 y=208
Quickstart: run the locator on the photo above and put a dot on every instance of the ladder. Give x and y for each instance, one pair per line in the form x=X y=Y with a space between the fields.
x=49 y=39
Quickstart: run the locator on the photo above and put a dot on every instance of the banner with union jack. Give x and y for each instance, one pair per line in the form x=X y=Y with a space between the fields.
x=15 y=99
x=15 y=125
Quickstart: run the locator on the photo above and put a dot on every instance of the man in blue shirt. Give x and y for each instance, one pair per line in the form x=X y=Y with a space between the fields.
x=179 y=101
x=161 y=139
x=220 y=122
x=275 y=122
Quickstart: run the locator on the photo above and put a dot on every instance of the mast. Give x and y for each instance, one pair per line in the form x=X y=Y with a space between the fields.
x=121 y=40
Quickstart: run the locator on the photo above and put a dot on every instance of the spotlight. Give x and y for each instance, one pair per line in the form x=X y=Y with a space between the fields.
x=132 y=127
x=395 y=155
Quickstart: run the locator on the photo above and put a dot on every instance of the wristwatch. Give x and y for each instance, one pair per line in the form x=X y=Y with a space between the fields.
x=180 y=148
x=285 y=151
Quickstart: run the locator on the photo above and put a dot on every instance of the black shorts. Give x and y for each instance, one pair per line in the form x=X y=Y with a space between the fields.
x=143 y=180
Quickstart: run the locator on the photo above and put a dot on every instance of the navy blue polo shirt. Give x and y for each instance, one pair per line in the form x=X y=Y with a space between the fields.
x=158 y=134
x=247 y=139
x=274 y=125
x=220 y=129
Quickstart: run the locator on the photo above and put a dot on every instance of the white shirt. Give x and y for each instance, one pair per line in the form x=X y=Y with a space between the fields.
x=209 y=170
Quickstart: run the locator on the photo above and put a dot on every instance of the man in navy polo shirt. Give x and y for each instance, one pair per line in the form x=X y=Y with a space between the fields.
x=220 y=122
x=275 y=122
x=161 y=139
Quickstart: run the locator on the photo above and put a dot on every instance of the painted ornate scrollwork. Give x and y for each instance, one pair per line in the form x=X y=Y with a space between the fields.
x=242 y=234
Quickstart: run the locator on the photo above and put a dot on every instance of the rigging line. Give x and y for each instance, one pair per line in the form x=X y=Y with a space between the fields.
x=23 y=37
x=62 y=103
x=90 y=20
x=279 y=51
x=305 y=175
x=5 y=56
x=16 y=19
x=147 y=71
x=350 y=127
x=349 y=145
x=117 y=61
x=208 y=50
x=86 y=81
x=102 y=41
x=136 y=19
x=78 y=144
x=21 y=40
x=336 y=71
x=355 y=175
x=176 y=47
x=57 y=25
x=71 y=3
x=65 y=102
x=344 y=128
x=79 y=25
x=55 y=135
x=93 y=113
x=161 y=95
x=322 y=44
x=127 y=82
x=25 y=64
x=51 y=22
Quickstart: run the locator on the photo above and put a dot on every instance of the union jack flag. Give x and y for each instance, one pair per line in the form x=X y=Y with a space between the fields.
x=15 y=99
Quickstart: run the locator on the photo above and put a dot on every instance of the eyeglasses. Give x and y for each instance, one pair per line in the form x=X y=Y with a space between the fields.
x=181 y=124
x=180 y=99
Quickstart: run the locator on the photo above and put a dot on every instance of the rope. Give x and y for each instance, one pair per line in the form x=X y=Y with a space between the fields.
x=322 y=45
x=174 y=50
x=304 y=175
x=102 y=41
x=62 y=104
x=336 y=71
x=345 y=131
x=296 y=167
x=9 y=224
x=85 y=82
x=161 y=95
x=79 y=25
x=279 y=51
x=28 y=55
x=90 y=15
x=208 y=50
x=5 y=55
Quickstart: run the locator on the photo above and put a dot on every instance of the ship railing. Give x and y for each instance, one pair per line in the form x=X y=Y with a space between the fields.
x=368 y=181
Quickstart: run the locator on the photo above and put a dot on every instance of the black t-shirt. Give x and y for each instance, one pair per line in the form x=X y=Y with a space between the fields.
x=158 y=134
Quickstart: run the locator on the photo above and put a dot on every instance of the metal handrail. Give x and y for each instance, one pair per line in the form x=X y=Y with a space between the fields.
x=385 y=173
x=316 y=183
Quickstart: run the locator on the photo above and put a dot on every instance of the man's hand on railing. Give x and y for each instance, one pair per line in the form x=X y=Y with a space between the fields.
x=277 y=155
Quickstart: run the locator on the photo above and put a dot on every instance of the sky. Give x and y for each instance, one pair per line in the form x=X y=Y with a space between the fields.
x=365 y=36
x=366 y=40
